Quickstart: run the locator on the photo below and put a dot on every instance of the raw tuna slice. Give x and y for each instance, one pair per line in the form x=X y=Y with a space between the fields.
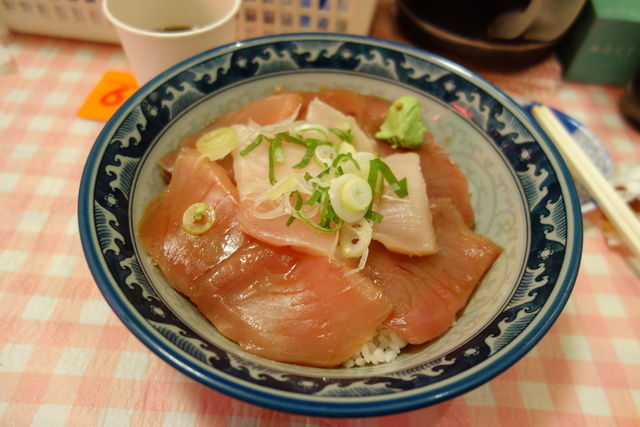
x=369 y=111
x=428 y=292
x=264 y=111
x=252 y=178
x=406 y=225
x=286 y=306
x=443 y=177
x=181 y=256
x=275 y=302
x=251 y=172
x=323 y=114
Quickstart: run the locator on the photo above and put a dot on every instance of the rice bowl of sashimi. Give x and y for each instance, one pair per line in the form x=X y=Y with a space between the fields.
x=330 y=225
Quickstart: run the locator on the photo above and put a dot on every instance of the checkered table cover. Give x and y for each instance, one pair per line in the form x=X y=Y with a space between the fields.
x=66 y=359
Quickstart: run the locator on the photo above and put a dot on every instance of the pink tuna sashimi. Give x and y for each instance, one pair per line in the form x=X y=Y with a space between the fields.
x=406 y=225
x=428 y=292
x=444 y=178
x=181 y=256
x=252 y=178
x=264 y=111
x=323 y=114
x=276 y=232
x=276 y=302
x=290 y=307
x=368 y=111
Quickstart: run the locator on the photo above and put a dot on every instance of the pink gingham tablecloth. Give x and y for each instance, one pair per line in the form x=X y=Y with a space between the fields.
x=66 y=359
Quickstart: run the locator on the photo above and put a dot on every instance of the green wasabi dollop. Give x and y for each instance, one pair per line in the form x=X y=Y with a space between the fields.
x=403 y=126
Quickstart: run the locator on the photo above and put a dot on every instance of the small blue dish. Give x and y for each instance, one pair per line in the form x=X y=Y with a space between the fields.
x=522 y=193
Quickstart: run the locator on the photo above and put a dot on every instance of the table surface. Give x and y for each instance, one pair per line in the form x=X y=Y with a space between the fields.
x=66 y=359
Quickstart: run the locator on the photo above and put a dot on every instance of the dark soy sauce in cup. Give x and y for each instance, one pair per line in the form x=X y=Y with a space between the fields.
x=177 y=28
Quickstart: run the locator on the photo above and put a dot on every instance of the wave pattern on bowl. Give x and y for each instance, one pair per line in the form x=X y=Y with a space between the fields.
x=521 y=191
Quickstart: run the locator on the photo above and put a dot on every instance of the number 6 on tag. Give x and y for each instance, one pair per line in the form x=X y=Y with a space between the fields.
x=111 y=91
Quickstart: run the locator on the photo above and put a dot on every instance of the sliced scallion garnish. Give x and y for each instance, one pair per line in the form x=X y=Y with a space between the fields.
x=198 y=218
x=350 y=197
x=342 y=196
x=217 y=143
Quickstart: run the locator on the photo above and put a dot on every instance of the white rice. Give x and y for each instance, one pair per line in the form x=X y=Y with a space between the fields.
x=384 y=347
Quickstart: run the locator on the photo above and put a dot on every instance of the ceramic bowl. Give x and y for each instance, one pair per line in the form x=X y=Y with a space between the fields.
x=522 y=193
x=593 y=148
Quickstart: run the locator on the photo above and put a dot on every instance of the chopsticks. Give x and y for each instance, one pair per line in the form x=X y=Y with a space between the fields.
x=611 y=203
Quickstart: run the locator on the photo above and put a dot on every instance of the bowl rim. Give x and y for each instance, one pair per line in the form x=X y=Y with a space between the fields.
x=312 y=405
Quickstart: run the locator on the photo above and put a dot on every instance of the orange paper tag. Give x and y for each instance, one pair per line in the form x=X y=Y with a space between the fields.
x=111 y=91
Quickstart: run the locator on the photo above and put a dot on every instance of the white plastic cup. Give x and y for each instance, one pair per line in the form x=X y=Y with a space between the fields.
x=157 y=34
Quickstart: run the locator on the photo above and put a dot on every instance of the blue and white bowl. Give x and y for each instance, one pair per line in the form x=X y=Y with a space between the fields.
x=521 y=190
x=593 y=148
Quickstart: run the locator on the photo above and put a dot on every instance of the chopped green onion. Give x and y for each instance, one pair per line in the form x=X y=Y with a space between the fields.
x=308 y=155
x=400 y=188
x=198 y=218
x=342 y=158
x=346 y=147
x=253 y=145
x=372 y=178
x=290 y=138
x=356 y=194
x=343 y=135
x=350 y=196
x=297 y=206
x=278 y=151
x=323 y=228
x=315 y=197
x=276 y=155
x=373 y=216
x=284 y=185
x=355 y=239
x=331 y=215
x=344 y=192
x=310 y=127
x=397 y=186
x=325 y=214
x=325 y=154
x=299 y=201
x=217 y=143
